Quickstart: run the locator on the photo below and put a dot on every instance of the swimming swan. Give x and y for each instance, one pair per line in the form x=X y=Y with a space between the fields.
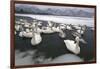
x=25 y=34
x=72 y=46
x=48 y=29
x=69 y=27
x=81 y=31
x=62 y=34
x=17 y=27
x=36 y=38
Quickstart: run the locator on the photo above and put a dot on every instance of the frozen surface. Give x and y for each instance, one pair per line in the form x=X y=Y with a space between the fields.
x=63 y=19
x=25 y=58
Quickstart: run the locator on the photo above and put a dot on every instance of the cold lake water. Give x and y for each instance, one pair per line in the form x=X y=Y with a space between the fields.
x=52 y=46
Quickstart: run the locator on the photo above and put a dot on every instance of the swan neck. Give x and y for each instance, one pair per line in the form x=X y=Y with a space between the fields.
x=77 y=41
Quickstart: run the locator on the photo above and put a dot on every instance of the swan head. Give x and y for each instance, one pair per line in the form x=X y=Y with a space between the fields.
x=22 y=21
x=75 y=34
x=39 y=23
x=50 y=24
x=33 y=25
x=84 y=27
x=77 y=38
x=62 y=26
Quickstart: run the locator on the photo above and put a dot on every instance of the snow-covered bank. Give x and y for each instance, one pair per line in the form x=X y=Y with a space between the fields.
x=62 y=19
x=26 y=58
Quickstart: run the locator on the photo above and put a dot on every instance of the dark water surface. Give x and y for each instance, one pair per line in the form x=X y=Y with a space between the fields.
x=52 y=45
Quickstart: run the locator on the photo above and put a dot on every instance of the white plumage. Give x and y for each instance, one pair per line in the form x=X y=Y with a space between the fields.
x=72 y=46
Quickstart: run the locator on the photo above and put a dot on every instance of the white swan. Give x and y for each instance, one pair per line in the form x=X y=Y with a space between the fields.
x=62 y=34
x=21 y=34
x=59 y=30
x=56 y=29
x=22 y=21
x=79 y=35
x=17 y=27
x=84 y=27
x=27 y=30
x=69 y=27
x=50 y=23
x=48 y=29
x=72 y=46
x=15 y=32
x=36 y=38
x=17 y=22
x=26 y=25
x=53 y=29
x=62 y=26
x=25 y=34
x=77 y=26
x=28 y=34
x=82 y=30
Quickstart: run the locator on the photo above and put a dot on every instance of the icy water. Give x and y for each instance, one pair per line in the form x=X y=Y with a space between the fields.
x=51 y=46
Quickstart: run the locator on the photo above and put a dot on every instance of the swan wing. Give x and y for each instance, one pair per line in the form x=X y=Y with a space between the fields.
x=36 y=39
x=71 y=46
x=69 y=28
x=80 y=31
x=29 y=34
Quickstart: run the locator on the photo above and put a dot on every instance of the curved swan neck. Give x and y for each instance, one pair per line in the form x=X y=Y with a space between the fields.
x=77 y=41
x=59 y=27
